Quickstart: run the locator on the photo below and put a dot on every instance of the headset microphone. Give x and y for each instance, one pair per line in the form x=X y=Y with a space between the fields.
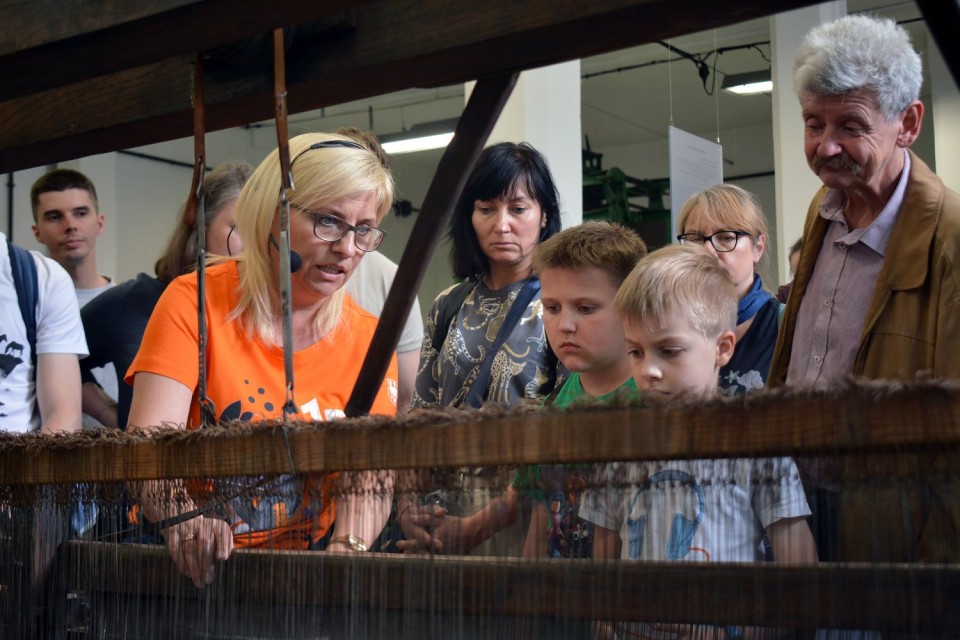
x=295 y=260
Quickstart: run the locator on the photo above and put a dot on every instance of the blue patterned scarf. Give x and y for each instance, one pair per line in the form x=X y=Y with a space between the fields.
x=751 y=303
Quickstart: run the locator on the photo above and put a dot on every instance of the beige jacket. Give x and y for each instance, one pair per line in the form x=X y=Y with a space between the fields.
x=913 y=323
x=912 y=327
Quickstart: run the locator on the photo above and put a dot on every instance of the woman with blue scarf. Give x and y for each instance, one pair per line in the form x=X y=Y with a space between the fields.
x=728 y=221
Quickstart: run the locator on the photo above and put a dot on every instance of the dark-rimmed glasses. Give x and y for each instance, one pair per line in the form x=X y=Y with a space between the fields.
x=722 y=241
x=330 y=228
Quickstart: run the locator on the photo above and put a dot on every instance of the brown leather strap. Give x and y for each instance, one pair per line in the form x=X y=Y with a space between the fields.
x=280 y=106
x=286 y=179
x=197 y=216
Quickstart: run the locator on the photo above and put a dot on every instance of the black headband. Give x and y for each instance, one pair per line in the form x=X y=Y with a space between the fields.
x=327 y=144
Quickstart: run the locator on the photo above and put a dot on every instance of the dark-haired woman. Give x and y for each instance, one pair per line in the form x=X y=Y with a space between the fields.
x=484 y=339
x=508 y=206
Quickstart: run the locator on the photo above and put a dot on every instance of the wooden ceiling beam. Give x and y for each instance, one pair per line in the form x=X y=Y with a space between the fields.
x=52 y=43
x=393 y=45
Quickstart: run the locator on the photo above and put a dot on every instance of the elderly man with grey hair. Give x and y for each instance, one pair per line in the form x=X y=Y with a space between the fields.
x=877 y=291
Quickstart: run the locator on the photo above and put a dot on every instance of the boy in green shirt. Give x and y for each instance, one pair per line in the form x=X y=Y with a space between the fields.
x=580 y=271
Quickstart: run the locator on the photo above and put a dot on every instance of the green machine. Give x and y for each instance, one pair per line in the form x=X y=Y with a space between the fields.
x=612 y=195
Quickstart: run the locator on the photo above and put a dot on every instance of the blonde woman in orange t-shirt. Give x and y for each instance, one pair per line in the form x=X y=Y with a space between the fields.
x=342 y=192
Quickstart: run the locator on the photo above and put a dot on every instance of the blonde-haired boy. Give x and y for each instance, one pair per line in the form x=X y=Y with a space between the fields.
x=679 y=310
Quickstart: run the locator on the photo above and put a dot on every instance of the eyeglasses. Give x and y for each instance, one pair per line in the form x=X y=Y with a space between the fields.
x=722 y=241
x=330 y=228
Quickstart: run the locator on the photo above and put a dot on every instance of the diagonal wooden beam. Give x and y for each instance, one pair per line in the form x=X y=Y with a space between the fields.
x=394 y=45
x=943 y=19
x=478 y=119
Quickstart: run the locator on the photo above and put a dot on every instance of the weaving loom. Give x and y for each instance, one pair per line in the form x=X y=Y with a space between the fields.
x=106 y=590
x=55 y=583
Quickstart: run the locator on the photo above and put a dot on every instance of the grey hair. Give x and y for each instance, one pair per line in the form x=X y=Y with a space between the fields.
x=860 y=52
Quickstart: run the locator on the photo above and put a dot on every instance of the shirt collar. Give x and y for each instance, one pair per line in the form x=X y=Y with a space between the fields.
x=876 y=235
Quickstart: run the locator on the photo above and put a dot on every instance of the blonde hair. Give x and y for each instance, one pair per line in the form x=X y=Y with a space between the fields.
x=610 y=247
x=320 y=176
x=733 y=209
x=680 y=278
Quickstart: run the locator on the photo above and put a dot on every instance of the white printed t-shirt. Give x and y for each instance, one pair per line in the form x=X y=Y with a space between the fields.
x=696 y=510
x=58 y=331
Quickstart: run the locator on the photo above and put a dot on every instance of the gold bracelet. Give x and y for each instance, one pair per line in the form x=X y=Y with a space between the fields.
x=355 y=543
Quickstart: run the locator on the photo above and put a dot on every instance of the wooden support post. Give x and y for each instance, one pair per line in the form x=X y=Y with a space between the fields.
x=480 y=115
x=942 y=19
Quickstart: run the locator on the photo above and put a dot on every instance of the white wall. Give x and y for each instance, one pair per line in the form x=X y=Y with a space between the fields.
x=945 y=100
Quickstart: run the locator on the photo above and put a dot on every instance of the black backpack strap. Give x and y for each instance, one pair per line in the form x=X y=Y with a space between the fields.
x=550 y=399
x=449 y=307
x=25 y=280
x=520 y=303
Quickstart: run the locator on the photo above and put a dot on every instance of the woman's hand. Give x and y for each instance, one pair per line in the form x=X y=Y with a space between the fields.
x=196 y=544
x=421 y=525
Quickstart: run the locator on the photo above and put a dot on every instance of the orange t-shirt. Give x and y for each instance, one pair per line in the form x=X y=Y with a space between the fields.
x=245 y=381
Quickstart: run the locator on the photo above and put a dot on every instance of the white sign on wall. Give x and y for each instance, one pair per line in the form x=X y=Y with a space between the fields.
x=695 y=164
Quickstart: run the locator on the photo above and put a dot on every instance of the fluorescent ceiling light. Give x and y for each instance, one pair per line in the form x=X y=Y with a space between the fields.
x=748 y=84
x=420 y=137
x=438 y=141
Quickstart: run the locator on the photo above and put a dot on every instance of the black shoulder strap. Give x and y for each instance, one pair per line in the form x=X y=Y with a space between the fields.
x=552 y=397
x=449 y=307
x=479 y=387
x=25 y=280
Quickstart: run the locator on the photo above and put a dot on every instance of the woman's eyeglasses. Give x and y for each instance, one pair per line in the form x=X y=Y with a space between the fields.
x=722 y=241
x=330 y=228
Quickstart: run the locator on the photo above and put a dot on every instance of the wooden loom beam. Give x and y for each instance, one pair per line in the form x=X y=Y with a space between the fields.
x=870 y=418
x=889 y=597
x=383 y=46
x=942 y=19
x=47 y=44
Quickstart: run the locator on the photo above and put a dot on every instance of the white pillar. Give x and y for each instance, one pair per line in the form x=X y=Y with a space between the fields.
x=795 y=182
x=544 y=110
x=945 y=108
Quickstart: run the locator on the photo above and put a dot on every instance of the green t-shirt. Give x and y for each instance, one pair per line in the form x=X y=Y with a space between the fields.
x=527 y=480
x=558 y=486
x=572 y=391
